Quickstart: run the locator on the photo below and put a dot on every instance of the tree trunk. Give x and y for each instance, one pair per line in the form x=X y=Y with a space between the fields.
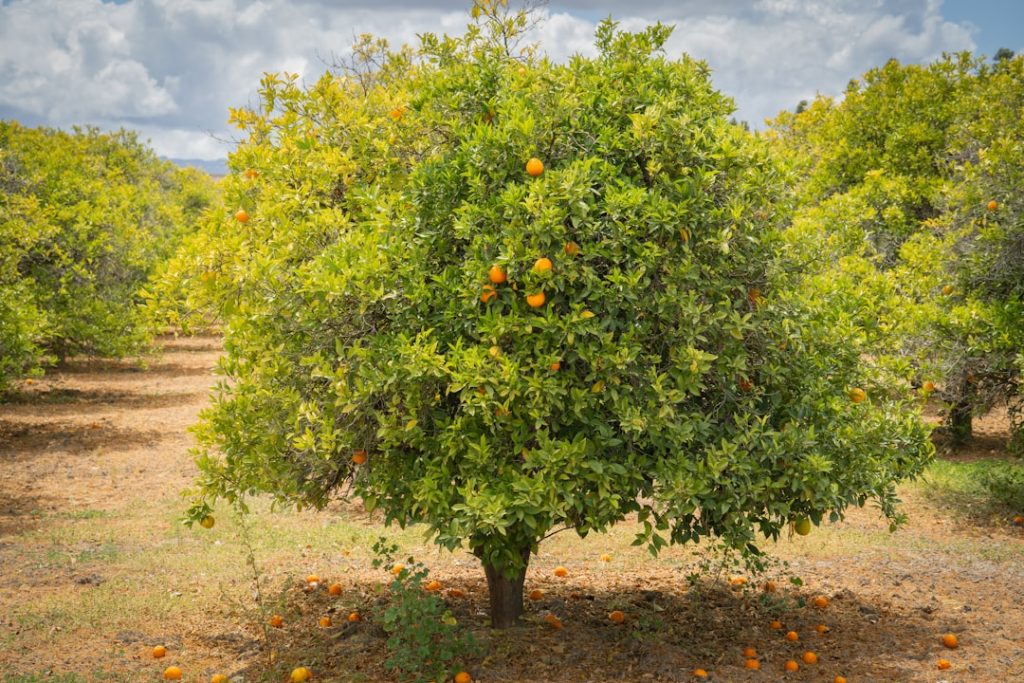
x=506 y=594
x=960 y=421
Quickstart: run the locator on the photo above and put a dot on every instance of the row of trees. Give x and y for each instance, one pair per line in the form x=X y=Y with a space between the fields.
x=503 y=297
x=85 y=218
x=910 y=215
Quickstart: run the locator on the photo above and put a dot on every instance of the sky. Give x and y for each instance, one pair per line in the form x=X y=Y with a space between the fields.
x=170 y=69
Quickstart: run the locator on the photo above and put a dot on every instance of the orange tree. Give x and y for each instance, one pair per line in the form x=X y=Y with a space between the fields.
x=498 y=347
x=84 y=218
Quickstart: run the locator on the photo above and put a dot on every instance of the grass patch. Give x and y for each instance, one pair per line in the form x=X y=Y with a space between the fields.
x=957 y=487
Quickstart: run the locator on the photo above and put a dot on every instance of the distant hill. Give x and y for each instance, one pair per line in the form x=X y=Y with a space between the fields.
x=216 y=167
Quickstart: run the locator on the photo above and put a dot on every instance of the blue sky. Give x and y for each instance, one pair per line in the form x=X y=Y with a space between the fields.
x=171 y=68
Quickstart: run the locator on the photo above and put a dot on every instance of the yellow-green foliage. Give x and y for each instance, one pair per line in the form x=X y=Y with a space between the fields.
x=84 y=217
x=690 y=389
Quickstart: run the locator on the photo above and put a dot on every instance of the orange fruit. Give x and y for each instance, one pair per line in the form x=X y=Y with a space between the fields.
x=536 y=594
x=359 y=457
x=396 y=113
x=159 y=651
x=553 y=621
x=456 y=593
x=770 y=587
x=219 y=678
x=792 y=636
x=300 y=675
x=700 y=673
x=606 y=558
x=617 y=616
x=753 y=664
x=776 y=624
x=556 y=366
x=207 y=522
x=821 y=602
x=353 y=617
x=251 y=173
x=542 y=265
x=746 y=385
x=944 y=664
x=463 y=677
x=749 y=652
x=496 y=275
x=792 y=666
x=737 y=581
x=242 y=216
x=754 y=295
x=536 y=300
x=802 y=526
x=1018 y=520
x=857 y=395
x=277 y=621
x=810 y=658
x=397 y=569
x=839 y=679
x=172 y=673
x=534 y=167
x=571 y=248
x=488 y=293
x=822 y=629
x=312 y=578
x=993 y=205
x=334 y=589
x=950 y=641
x=561 y=571
x=928 y=386
x=947 y=290
x=325 y=622
x=433 y=586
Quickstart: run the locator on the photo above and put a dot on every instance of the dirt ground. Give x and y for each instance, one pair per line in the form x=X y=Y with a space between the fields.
x=95 y=569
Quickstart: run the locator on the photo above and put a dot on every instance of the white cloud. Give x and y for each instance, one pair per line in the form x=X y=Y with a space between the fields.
x=171 y=68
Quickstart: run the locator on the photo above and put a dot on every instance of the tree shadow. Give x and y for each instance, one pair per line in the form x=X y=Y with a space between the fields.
x=666 y=635
x=22 y=440
x=61 y=401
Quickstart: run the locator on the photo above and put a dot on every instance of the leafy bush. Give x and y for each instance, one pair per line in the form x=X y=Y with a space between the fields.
x=84 y=218
x=668 y=371
x=1006 y=485
x=425 y=642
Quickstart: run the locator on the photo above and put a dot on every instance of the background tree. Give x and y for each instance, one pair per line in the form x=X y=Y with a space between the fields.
x=499 y=346
x=84 y=218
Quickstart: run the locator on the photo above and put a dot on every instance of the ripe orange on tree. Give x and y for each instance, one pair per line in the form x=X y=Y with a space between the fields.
x=534 y=167
x=359 y=457
x=172 y=673
x=396 y=113
x=571 y=248
x=488 y=293
x=207 y=522
x=535 y=300
x=497 y=275
x=617 y=616
x=542 y=265
x=950 y=641
x=242 y=216
x=947 y=289
x=556 y=366
x=857 y=395
x=928 y=386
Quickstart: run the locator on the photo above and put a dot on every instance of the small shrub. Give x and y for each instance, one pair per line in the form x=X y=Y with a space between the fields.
x=425 y=642
x=1005 y=484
